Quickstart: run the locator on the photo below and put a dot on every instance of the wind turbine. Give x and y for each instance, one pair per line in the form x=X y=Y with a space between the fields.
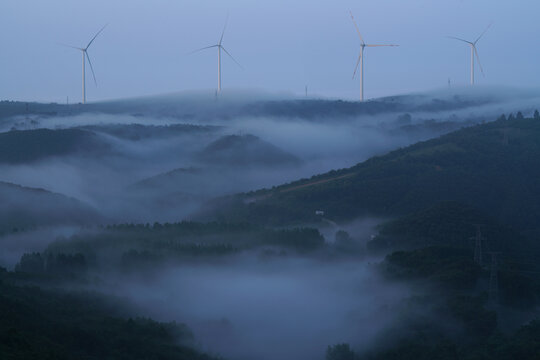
x=474 y=52
x=220 y=47
x=360 y=60
x=85 y=56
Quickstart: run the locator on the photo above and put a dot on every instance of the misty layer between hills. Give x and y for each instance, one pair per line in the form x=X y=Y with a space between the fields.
x=161 y=159
x=207 y=148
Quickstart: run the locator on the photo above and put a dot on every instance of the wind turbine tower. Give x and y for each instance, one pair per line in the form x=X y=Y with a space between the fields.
x=360 y=60
x=220 y=47
x=474 y=52
x=84 y=52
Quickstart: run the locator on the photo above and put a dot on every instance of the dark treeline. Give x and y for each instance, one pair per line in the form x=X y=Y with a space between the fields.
x=44 y=324
x=522 y=344
x=137 y=246
x=59 y=264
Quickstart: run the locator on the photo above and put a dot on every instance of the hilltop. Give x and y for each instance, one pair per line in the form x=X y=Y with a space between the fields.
x=242 y=150
x=23 y=207
x=25 y=146
x=203 y=106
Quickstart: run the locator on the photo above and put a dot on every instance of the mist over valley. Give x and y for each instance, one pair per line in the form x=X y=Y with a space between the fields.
x=271 y=227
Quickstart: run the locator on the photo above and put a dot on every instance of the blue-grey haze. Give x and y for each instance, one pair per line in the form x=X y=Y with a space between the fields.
x=283 y=46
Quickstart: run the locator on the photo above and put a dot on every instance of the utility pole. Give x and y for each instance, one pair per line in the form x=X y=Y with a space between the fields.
x=478 y=245
x=493 y=294
x=505 y=137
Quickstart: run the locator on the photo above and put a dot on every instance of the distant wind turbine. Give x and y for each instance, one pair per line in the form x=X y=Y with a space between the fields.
x=85 y=56
x=360 y=60
x=474 y=52
x=220 y=47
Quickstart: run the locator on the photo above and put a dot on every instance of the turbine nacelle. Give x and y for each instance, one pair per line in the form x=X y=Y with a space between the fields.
x=220 y=47
x=87 y=57
x=360 y=61
x=474 y=51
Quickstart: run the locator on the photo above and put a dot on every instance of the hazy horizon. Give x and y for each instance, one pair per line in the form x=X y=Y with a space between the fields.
x=282 y=47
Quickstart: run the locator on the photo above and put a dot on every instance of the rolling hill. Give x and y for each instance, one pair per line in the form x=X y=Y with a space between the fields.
x=22 y=208
x=32 y=145
x=492 y=167
x=245 y=150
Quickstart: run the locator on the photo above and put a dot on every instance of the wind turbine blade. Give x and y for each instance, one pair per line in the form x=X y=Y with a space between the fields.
x=224 y=27
x=455 y=38
x=357 y=63
x=201 y=49
x=69 y=46
x=237 y=63
x=357 y=29
x=376 y=45
x=95 y=36
x=482 y=34
x=91 y=67
x=478 y=59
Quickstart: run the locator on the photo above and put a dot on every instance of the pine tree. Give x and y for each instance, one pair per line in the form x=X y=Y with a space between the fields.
x=536 y=115
x=519 y=116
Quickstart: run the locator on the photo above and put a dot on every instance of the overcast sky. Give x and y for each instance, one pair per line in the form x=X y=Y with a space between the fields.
x=283 y=45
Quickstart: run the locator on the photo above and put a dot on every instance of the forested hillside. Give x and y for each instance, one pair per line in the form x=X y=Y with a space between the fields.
x=492 y=167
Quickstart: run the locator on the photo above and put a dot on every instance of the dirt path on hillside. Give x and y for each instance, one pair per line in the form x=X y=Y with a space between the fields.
x=268 y=195
x=316 y=183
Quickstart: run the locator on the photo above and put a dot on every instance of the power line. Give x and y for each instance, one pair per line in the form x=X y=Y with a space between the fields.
x=478 y=245
x=493 y=294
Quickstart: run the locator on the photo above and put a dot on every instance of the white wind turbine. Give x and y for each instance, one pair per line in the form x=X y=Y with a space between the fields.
x=85 y=56
x=220 y=47
x=360 y=60
x=474 y=52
